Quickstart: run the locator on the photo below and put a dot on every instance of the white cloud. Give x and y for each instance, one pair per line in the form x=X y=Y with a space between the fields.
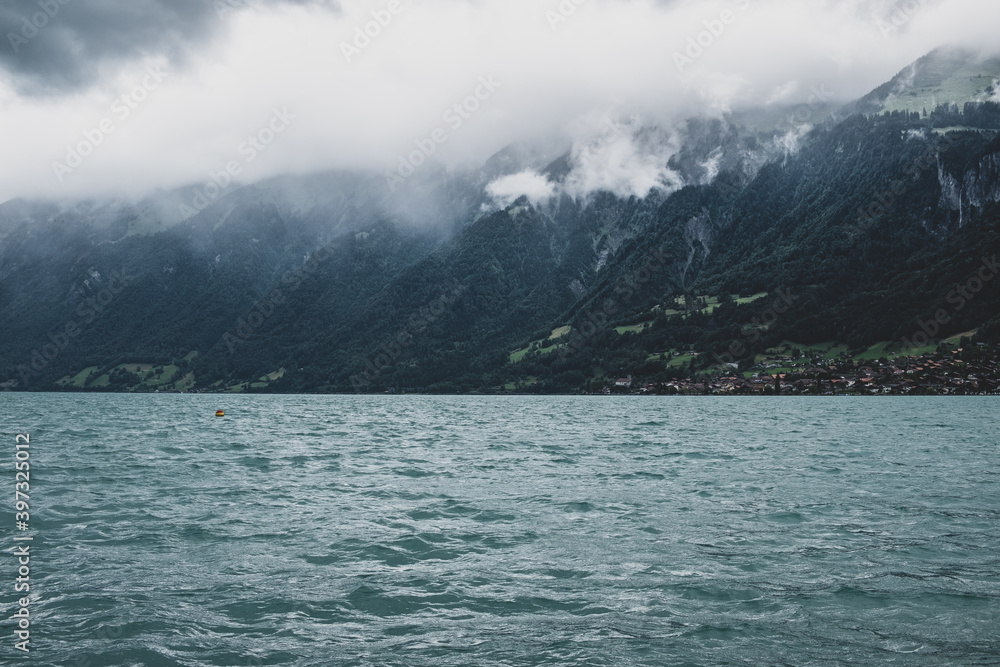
x=536 y=187
x=626 y=157
x=364 y=114
x=711 y=166
x=790 y=141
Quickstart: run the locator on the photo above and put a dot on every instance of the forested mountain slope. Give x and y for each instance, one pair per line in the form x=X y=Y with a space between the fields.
x=854 y=232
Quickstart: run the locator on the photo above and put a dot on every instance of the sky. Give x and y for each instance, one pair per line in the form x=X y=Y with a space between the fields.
x=124 y=97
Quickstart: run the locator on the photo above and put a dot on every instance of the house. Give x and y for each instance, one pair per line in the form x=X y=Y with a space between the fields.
x=624 y=383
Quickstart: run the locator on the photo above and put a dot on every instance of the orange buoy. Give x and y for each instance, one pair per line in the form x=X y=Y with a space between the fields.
x=220 y=413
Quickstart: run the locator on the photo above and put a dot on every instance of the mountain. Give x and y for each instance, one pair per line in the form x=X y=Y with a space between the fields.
x=871 y=231
x=943 y=78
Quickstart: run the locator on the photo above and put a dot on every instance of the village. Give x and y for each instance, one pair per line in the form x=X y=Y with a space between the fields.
x=973 y=370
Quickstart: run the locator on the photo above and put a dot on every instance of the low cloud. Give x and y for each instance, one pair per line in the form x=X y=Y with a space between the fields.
x=627 y=157
x=366 y=81
x=536 y=187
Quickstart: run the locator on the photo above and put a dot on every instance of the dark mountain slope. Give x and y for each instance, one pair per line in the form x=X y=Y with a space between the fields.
x=863 y=227
x=327 y=283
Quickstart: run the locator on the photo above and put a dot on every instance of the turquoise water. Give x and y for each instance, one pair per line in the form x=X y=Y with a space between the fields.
x=507 y=531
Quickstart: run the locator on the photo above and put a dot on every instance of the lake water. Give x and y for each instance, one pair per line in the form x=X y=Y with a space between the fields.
x=410 y=531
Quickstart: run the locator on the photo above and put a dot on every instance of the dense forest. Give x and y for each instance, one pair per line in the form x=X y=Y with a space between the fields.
x=878 y=222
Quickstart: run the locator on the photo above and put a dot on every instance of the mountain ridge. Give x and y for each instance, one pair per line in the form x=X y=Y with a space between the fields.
x=558 y=294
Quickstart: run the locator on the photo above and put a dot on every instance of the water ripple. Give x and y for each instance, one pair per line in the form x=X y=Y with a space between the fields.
x=513 y=531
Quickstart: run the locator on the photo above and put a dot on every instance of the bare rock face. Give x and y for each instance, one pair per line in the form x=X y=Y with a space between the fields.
x=979 y=186
x=951 y=192
x=982 y=185
x=697 y=238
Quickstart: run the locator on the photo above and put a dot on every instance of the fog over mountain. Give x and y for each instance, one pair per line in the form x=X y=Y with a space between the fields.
x=499 y=332
x=124 y=98
x=486 y=196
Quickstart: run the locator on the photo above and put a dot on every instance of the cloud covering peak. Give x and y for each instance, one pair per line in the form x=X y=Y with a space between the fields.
x=529 y=183
x=366 y=84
